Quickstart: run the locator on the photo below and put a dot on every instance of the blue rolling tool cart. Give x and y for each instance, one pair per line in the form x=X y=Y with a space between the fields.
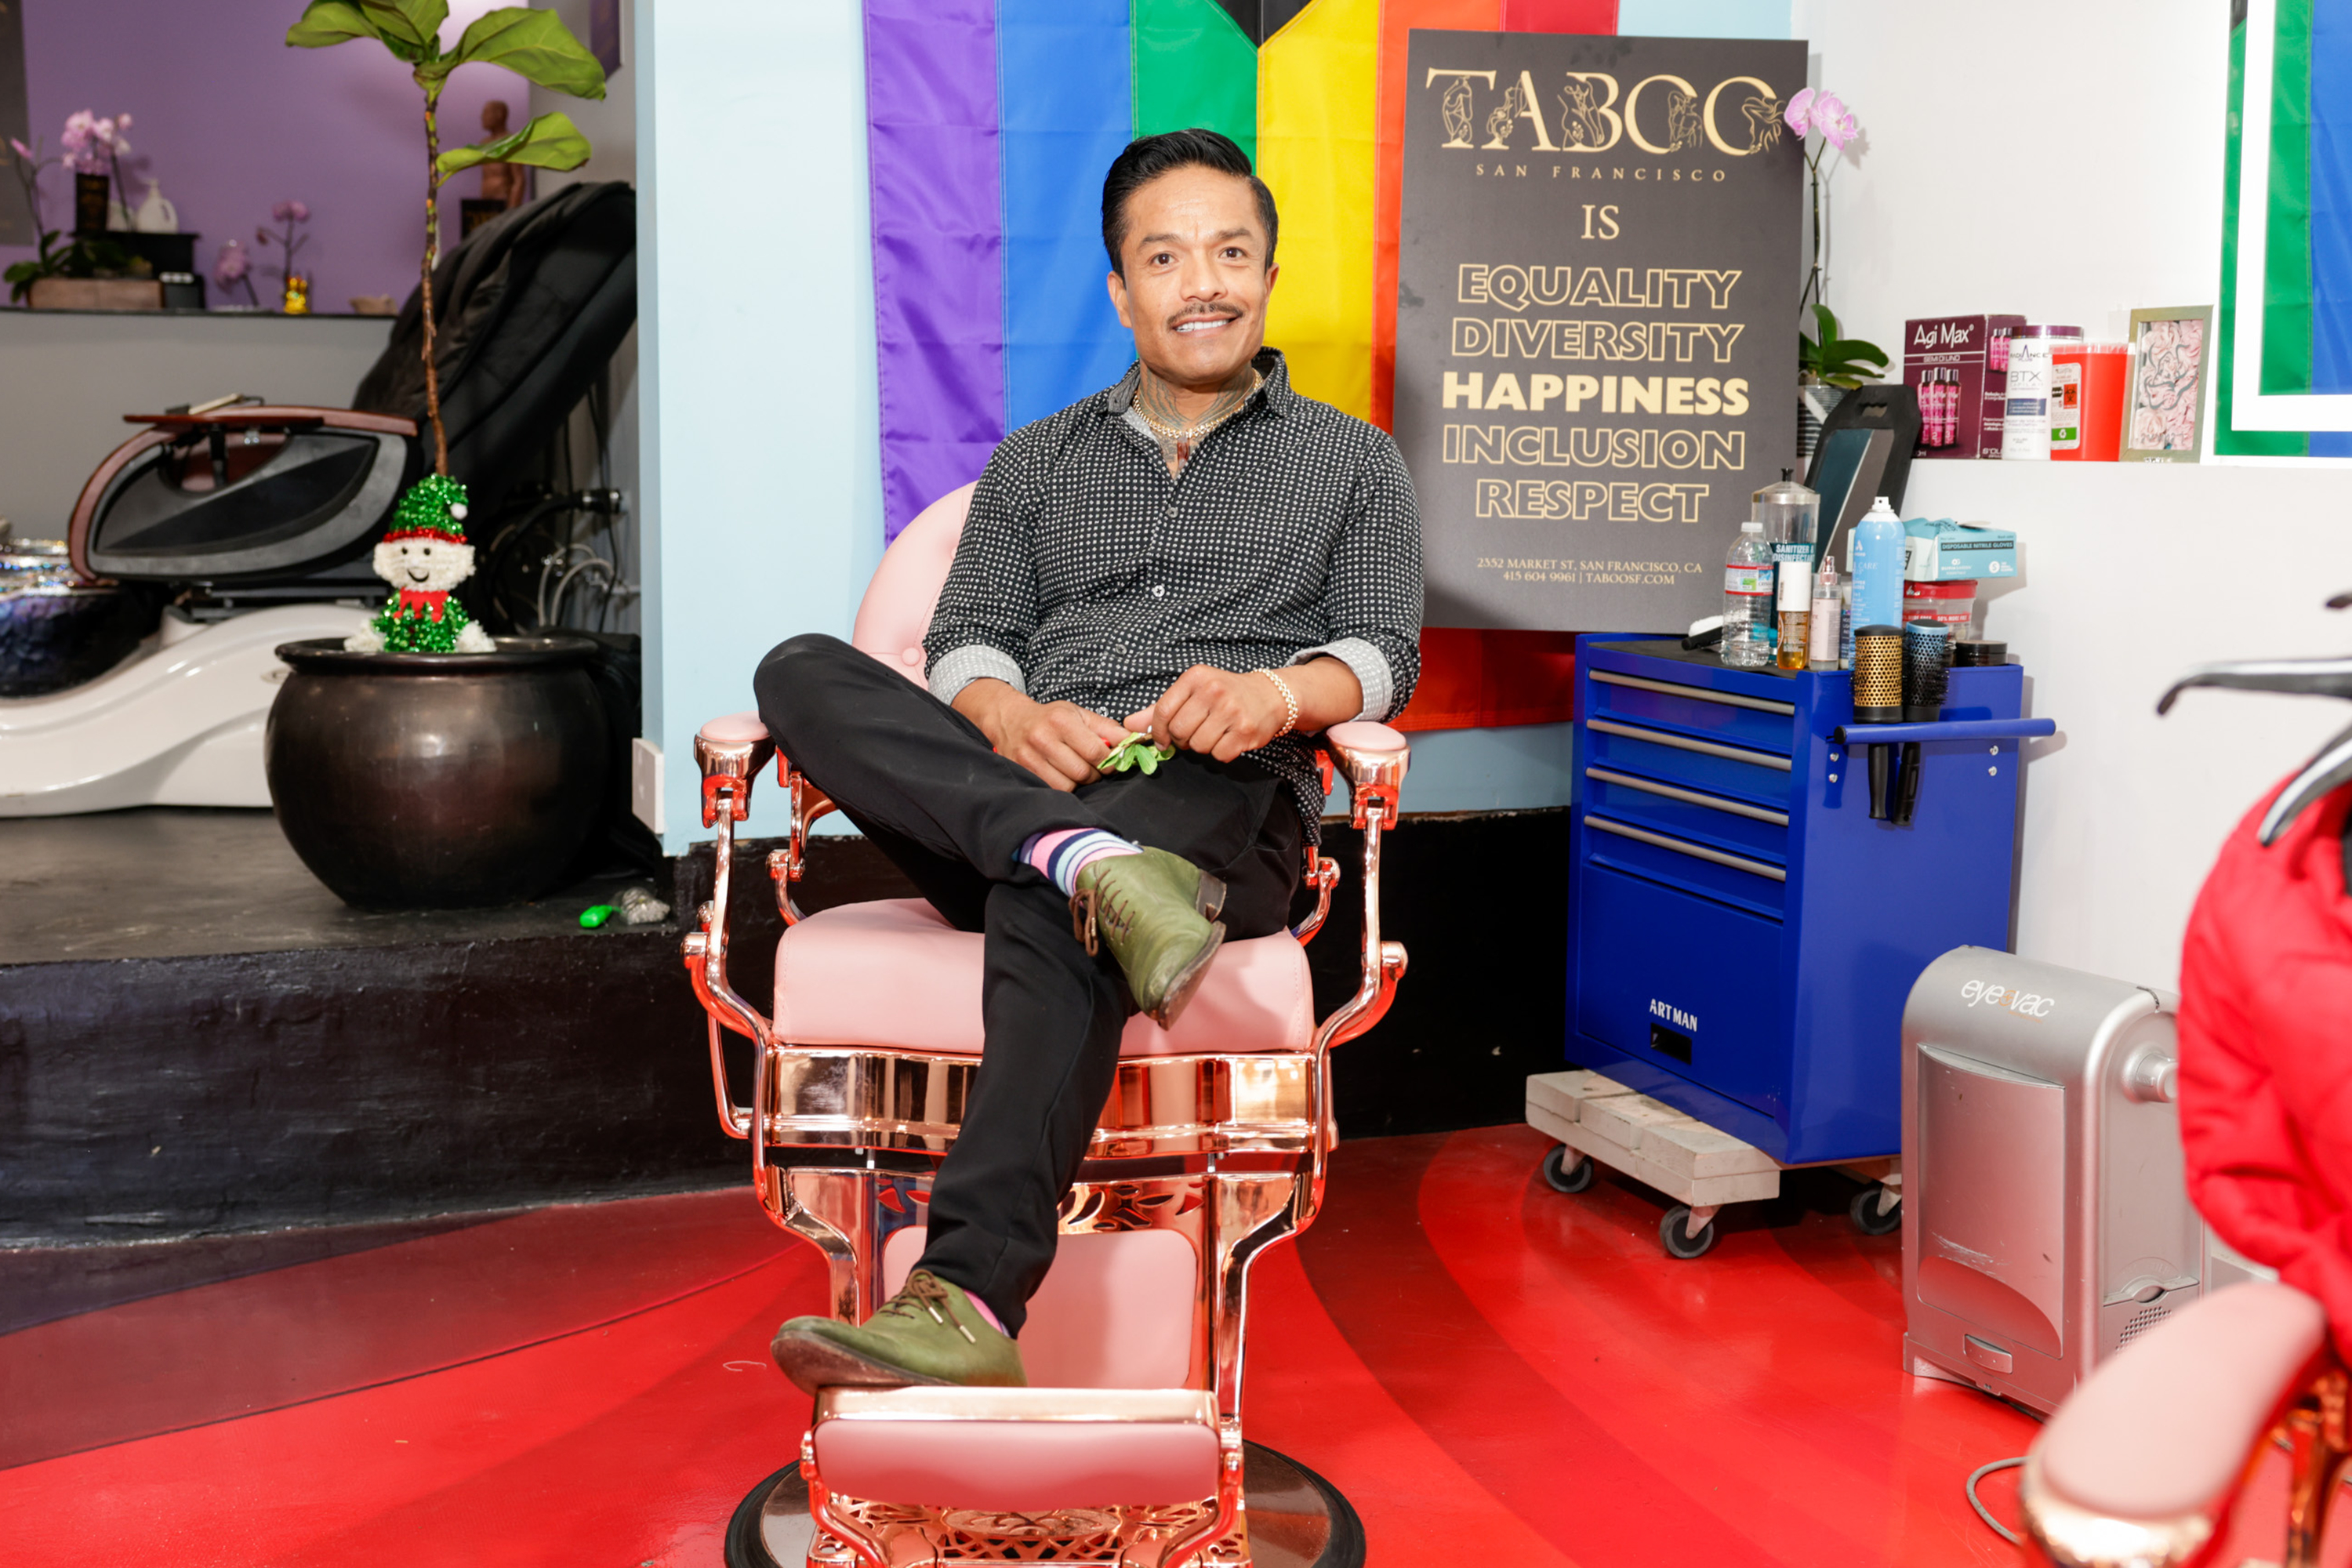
x=1743 y=933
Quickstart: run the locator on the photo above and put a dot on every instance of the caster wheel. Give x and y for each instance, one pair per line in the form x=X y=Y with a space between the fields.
x=1563 y=1177
x=1676 y=1239
x=1867 y=1218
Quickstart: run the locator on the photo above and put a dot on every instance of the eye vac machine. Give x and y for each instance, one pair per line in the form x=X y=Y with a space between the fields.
x=2046 y=1223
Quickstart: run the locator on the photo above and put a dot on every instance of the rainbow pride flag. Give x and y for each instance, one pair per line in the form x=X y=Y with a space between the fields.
x=2284 y=350
x=991 y=124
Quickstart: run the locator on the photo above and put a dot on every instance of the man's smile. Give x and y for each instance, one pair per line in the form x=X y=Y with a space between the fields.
x=1205 y=323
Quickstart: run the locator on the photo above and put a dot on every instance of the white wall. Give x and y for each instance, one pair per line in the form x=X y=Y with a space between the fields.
x=2074 y=193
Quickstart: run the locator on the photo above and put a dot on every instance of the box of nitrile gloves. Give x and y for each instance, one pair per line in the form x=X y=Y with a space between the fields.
x=1937 y=550
x=1959 y=366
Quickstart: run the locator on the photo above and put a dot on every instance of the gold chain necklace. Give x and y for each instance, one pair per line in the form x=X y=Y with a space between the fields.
x=1184 y=440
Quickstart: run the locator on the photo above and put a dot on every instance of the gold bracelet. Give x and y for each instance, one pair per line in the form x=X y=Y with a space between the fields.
x=1289 y=701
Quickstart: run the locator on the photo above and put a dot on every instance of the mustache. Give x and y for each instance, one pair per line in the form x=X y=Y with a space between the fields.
x=1224 y=313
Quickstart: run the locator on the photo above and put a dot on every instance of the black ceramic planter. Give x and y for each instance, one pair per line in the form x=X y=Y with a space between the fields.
x=419 y=780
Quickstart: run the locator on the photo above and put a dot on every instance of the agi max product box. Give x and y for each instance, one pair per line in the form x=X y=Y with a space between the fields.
x=1959 y=366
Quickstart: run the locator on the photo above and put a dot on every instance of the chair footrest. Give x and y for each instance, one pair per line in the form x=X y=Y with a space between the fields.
x=1018 y=1449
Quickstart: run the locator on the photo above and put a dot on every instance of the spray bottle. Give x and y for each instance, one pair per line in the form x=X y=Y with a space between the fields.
x=1875 y=555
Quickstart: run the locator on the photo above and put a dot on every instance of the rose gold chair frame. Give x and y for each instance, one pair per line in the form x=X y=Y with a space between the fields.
x=1230 y=1151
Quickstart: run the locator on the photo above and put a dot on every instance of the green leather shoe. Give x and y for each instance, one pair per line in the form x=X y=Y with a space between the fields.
x=1155 y=911
x=929 y=1333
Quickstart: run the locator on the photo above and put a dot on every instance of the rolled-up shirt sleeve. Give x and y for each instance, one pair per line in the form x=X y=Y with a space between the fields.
x=1372 y=594
x=988 y=608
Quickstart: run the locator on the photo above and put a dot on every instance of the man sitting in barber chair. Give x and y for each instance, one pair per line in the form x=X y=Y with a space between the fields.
x=1198 y=554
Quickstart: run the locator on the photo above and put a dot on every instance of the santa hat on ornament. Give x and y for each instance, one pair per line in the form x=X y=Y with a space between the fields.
x=434 y=508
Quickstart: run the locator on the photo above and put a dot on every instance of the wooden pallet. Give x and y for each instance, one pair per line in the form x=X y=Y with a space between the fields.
x=1699 y=1167
x=1649 y=1141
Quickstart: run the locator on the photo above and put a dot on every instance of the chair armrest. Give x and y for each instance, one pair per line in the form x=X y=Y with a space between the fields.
x=2142 y=1461
x=1373 y=758
x=729 y=751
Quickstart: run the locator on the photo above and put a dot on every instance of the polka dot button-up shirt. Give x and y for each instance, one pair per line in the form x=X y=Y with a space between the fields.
x=1086 y=573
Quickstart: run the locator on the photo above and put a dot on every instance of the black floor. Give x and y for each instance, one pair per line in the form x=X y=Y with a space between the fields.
x=174 y=882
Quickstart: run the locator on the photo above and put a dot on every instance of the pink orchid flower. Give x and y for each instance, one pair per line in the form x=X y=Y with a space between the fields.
x=1835 y=121
x=22 y=150
x=1799 y=114
x=298 y=212
x=233 y=264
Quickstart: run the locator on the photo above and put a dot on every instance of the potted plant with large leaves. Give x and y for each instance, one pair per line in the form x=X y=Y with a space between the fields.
x=423 y=764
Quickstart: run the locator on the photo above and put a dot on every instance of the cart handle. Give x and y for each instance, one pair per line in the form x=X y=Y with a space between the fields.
x=1943 y=730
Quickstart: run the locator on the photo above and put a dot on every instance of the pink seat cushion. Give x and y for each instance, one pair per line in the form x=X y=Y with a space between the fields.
x=2164 y=1428
x=897 y=609
x=892 y=973
x=1018 y=1450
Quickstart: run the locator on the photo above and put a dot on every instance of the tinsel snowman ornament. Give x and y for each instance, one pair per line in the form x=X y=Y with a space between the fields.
x=425 y=556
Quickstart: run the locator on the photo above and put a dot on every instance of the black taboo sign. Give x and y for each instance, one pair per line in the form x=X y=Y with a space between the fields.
x=1596 y=358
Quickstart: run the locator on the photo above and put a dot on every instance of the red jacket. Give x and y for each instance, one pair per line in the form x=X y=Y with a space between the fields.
x=2266 y=1053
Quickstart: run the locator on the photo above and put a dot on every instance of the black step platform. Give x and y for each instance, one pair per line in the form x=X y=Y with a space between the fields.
x=196 y=1036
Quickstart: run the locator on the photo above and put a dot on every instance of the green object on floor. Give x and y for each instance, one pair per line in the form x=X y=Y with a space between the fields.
x=929 y=1333
x=595 y=915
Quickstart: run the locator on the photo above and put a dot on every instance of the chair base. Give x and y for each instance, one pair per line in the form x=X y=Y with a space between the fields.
x=1293 y=1517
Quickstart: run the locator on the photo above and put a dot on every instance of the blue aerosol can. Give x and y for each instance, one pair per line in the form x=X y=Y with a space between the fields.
x=1875 y=555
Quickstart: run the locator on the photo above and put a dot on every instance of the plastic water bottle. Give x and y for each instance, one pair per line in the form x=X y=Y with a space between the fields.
x=1748 y=599
x=1876 y=558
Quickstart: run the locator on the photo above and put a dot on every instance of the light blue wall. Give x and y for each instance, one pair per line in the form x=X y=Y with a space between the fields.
x=1704 y=19
x=763 y=459
x=762 y=501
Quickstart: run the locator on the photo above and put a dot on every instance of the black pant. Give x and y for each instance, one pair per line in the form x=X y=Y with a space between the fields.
x=921 y=781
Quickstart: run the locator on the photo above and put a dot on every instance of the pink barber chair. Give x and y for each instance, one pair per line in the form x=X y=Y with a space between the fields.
x=1127 y=1451
x=2143 y=1464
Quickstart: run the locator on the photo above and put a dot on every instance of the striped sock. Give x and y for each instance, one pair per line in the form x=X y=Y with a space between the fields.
x=1060 y=856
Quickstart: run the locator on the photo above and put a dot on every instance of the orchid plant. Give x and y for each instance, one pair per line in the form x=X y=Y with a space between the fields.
x=93 y=145
x=1837 y=361
x=535 y=44
x=233 y=265
x=291 y=215
x=78 y=258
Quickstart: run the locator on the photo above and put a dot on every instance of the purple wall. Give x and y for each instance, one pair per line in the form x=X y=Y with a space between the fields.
x=231 y=120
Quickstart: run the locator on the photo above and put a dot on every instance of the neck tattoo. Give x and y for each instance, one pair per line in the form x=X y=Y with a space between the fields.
x=1179 y=438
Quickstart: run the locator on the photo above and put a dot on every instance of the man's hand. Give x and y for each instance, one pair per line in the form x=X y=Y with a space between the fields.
x=1061 y=742
x=1214 y=710
x=1224 y=714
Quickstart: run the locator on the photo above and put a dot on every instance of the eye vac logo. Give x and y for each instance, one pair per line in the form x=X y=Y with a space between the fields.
x=1592 y=119
x=1686 y=1022
x=2024 y=1004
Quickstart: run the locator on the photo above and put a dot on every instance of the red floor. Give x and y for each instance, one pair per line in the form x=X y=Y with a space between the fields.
x=1479 y=1362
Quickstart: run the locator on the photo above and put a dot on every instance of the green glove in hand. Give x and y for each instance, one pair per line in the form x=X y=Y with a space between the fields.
x=1136 y=752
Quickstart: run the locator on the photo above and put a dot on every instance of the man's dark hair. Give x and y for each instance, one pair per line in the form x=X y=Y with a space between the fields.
x=1148 y=157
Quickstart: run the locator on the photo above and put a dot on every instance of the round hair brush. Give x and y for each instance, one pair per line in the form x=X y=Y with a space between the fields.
x=1927 y=675
x=1879 y=698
